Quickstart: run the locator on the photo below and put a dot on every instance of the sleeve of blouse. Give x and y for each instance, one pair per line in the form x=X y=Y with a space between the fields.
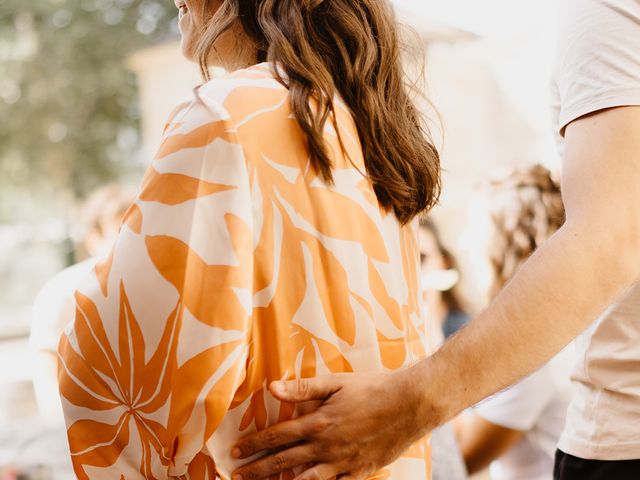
x=158 y=346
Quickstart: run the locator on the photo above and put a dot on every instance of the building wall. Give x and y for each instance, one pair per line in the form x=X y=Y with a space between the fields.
x=165 y=78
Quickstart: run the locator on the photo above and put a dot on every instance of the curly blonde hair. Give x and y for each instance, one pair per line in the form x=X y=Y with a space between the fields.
x=525 y=209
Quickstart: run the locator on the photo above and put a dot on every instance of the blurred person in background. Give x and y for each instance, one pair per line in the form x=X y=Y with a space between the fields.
x=54 y=305
x=444 y=316
x=274 y=237
x=444 y=308
x=518 y=428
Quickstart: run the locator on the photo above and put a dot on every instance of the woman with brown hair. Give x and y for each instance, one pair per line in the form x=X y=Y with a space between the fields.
x=274 y=237
x=444 y=307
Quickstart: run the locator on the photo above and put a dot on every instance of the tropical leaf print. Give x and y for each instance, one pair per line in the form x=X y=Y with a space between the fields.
x=236 y=266
x=125 y=384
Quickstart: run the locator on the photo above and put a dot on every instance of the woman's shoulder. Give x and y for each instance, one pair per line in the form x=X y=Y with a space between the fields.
x=231 y=97
x=241 y=93
x=213 y=115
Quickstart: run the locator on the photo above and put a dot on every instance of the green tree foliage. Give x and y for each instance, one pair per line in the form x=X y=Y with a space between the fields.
x=69 y=117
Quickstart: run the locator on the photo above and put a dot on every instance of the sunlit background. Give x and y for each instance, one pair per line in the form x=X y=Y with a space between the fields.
x=86 y=85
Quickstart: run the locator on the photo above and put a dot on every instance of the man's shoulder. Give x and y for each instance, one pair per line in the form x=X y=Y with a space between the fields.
x=584 y=24
x=597 y=63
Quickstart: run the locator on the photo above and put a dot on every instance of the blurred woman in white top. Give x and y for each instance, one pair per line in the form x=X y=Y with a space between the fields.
x=516 y=430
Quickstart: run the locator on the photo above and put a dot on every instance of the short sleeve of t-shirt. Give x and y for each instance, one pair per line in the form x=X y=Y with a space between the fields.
x=519 y=407
x=598 y=60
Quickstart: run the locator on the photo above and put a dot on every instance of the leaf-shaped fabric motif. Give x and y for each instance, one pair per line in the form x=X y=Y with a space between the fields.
x=156 y=388
x=332 y=357
x=173 y=189
x=79 y=382
x=236 y=266
x=132 y=351
x=333 y=288
x=201 y=468
x=191 y=379
x=393 y=353
x=379 y=291
x=175 y=113
x=410 y=260
x=208 y=295
x=83 y=382
x=101 y=447
x=103 y=269
x=256 y=414
x=133 y=219
x=265 y=252
x=198 y=138
x=338 y=213
x=92 y=338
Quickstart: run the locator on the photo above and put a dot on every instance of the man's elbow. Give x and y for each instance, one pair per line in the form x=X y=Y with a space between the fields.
x=631 y=242
x=609 y=243
x=621 y=245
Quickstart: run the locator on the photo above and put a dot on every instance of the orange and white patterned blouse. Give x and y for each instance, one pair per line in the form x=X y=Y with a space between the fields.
x=236 y=266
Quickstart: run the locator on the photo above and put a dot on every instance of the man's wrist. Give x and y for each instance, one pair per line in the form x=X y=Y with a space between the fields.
x=416 y=383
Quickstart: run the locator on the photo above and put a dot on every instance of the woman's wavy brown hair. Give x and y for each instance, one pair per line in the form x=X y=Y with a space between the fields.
x=350 y=47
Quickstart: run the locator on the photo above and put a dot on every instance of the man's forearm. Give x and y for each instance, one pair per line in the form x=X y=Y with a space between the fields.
x=558 y=293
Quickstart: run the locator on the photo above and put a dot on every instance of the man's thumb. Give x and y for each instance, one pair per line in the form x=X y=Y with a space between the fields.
x=305 y=389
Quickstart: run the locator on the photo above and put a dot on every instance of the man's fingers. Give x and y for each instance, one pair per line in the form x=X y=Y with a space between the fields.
x=322 y=471
x=305 y=389
x=274 y=464
x=279 y=435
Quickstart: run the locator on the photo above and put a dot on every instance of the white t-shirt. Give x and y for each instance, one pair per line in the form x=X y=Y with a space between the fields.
x=54 y=306
x=537 y=406
x=598 y=67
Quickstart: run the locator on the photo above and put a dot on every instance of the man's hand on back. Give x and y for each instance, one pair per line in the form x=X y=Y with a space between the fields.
x=377 y=409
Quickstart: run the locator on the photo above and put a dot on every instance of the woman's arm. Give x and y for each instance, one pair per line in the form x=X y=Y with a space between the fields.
x=481 y=441
x=159 y=342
